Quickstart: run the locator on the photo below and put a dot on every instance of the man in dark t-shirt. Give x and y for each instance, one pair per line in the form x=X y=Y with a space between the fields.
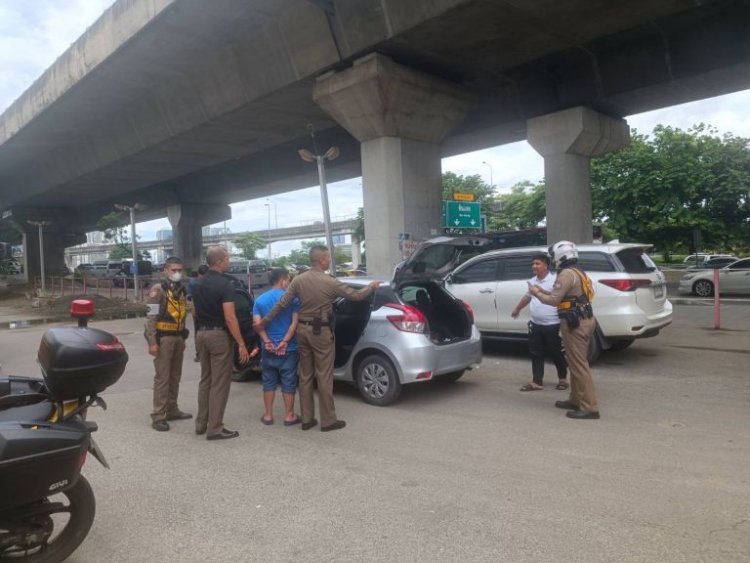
x=213 y=298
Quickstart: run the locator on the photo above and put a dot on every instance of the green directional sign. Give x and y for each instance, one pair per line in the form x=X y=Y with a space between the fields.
x=461 y=215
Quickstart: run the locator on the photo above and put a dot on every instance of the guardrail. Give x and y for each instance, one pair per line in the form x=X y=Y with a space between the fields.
x=59 y=286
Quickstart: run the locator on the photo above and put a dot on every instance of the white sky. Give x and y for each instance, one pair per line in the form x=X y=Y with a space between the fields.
x=33 y=33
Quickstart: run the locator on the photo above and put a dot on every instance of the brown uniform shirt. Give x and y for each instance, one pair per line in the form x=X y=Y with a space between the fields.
x=155 y=301
x=316 y=291
x=567 y=284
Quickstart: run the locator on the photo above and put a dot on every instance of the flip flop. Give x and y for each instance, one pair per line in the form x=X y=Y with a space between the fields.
x=530 y=387
x=562 y=386
x=265 y=421
x=296 y=420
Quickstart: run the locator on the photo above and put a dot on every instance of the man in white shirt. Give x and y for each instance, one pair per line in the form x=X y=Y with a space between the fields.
x=544 y=328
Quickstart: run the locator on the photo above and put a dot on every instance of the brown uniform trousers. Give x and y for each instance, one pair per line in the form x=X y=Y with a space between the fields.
x=168 y=368
x=316 y=355
x=216 y=354
x=576 y=342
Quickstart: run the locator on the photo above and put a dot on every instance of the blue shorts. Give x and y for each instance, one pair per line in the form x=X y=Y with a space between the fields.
x=279 y=370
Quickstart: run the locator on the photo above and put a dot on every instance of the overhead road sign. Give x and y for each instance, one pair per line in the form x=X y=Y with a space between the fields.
x=460 y=215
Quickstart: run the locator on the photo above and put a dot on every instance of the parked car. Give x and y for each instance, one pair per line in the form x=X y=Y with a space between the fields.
x=393 y=339
x=630 y=301
x=713 y=263
x=733 y=278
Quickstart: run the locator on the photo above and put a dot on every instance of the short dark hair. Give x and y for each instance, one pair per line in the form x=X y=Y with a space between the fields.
x=541 y=257
x=316 y=251
x=172 y=260
x=202 y=269
x=276 y=275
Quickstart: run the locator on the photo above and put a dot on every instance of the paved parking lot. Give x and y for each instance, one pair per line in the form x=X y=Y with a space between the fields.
x=474 y=471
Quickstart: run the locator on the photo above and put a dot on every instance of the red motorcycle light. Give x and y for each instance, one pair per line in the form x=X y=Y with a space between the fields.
x=82 y=459
x=626 y=285
x=82 y=308
x=411 y=319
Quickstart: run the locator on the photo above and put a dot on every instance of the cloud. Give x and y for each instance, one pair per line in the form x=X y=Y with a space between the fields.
x=34 y=34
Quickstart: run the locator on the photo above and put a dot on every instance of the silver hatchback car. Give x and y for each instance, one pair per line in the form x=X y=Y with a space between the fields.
x=410 y=333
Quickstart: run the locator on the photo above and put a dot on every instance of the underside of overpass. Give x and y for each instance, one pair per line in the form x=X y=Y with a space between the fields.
x=186 y=106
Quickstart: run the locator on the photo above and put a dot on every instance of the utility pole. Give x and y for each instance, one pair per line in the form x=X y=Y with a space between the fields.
x=41 y=225
x=132 y=209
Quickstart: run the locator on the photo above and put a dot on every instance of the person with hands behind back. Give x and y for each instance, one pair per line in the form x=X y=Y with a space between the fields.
x=316 y=291
x=279 y=358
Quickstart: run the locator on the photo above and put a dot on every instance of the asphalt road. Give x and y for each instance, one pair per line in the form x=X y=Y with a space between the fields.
x=474 y=471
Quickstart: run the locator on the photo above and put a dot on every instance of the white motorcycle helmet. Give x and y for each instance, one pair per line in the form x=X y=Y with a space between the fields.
x=562 y=252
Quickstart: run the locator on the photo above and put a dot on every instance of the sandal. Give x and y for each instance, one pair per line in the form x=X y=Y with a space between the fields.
x=562 y=386
x=265 y=421
x=530 y=387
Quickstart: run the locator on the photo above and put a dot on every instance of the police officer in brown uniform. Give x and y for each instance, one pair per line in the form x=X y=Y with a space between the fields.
x=213 y=298
x=576 y=328
x=316 y=291
x=166 y=334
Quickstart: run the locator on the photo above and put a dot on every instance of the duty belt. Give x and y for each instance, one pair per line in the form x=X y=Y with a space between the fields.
x=311 y=323
x=212 y=328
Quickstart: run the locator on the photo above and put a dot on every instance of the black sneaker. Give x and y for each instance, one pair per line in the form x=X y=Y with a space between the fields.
x=567 y=405
x=160 y=425
x=338 y=425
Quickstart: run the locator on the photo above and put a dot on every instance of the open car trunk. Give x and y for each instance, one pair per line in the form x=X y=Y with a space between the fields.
x=448 y=319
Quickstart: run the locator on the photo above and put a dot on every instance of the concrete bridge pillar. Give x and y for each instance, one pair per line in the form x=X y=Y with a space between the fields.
x=356 y=254
x=58 y=233
x=188 y=220
x=567 y=140
x=399 y=116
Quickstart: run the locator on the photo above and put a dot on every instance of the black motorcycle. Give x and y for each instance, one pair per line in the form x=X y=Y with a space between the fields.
x=46 y=506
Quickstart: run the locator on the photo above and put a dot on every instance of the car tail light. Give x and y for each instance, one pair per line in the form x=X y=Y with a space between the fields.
x=424 y=375
x=626 y=285
x=469 y=310
x=411 y=319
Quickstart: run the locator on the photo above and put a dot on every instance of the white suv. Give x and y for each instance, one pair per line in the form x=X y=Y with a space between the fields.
x=630 y=297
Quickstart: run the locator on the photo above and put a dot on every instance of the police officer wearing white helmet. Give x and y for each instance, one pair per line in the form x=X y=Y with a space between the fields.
x=572 y=294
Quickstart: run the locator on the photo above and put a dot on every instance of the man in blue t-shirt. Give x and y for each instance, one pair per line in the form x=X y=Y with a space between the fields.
x=280 y=358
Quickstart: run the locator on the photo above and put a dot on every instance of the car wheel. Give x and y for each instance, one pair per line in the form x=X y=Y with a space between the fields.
x=451 y=377
x=378 y=381
x=621 y=344
x=703 y=288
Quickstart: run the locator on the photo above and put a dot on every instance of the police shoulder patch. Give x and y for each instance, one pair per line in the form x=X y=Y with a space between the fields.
x=154 y=292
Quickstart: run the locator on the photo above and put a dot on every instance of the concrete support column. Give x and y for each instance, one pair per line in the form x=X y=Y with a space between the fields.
x=55 y=243
x=356 y=254
x=187 y=220
x=400 y=116
x=567 y=140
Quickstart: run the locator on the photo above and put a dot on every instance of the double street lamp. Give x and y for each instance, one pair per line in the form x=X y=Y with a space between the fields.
x=331 y=154
x=132 y=209
x=270 y=256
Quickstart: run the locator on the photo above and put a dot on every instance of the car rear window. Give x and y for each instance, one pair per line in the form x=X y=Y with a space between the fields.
x=596 y=262
x=636 y=261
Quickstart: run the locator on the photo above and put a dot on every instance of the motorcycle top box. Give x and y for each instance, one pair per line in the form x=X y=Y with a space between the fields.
x=78 y=362
x=37 y=460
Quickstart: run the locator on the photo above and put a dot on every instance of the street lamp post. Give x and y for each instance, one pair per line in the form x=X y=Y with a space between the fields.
x=270 y=256
x=132 y=209
x=41 y=225
x=492 y=183
x=331 y=154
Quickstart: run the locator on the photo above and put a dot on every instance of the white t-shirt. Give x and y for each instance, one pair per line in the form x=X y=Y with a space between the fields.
x=542 y=314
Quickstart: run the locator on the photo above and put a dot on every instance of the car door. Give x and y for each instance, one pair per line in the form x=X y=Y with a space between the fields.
x=735 y=278
x=513 y=272
x=476 y=284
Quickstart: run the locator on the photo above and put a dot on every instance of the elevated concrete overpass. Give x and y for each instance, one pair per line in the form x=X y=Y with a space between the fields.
x=187 y=105
x=298 y=232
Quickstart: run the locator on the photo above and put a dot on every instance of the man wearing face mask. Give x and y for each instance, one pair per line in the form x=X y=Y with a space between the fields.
x=166 y=334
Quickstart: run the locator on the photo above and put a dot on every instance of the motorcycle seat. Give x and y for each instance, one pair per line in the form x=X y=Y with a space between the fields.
x=37 y=412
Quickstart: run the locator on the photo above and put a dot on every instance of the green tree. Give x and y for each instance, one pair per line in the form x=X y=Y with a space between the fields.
x=249 y=244
x=523 y=208
x=301 y=256
x=114 y=227
x=659 y=189
x=359 y=229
